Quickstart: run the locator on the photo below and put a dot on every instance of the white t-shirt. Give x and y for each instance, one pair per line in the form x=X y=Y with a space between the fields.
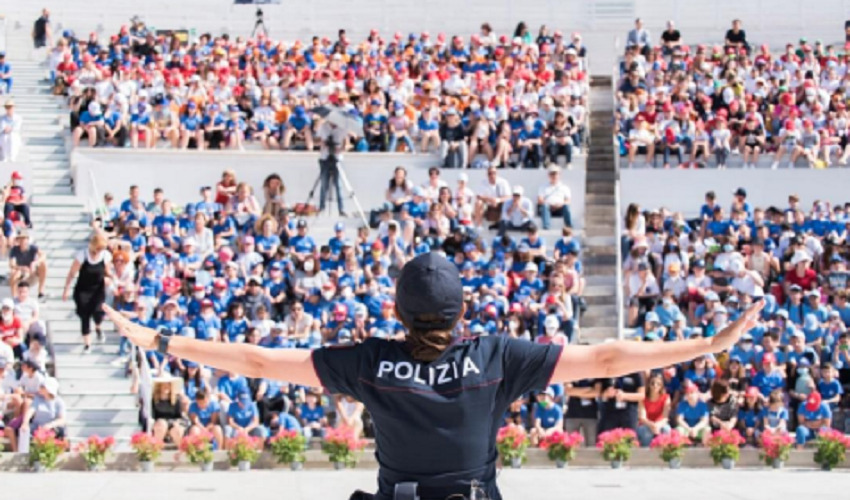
x=555 y=194
x=720 y=137
x=400 y=192
x=7 y=353
x=431 y=192
x=677 y=284
x=498 y=189
x=517 y=218
x=635 y=283
x=84 y=255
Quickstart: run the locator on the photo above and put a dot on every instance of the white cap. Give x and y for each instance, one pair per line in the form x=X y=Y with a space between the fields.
x=463 y=177
x=551 y=322
x=518 y=190
x=800 y=256
x=7 y=304
x=51 y=385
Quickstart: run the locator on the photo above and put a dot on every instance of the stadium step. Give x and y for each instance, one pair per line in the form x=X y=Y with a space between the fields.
x=67 y=331
x=79 y=430
x=93 y=402
x=96 y=372
x=75 y=359
x=88 y=386
x=69 y=201
x=599 y=252
x=104 y=416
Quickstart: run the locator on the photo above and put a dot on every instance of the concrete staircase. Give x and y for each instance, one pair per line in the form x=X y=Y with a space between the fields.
x=600 y=252
x=96 y=391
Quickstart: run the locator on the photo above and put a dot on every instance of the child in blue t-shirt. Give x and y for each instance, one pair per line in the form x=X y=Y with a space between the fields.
x=693 y=415
x=312 y=414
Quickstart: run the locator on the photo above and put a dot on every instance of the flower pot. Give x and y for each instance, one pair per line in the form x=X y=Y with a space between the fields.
x=516 y=462
x=38 y=467
x=826 y=467
x=146 y=466
x=675 y=463
x=616 y=464
x=339 y=465
x=778 y=464
x=244 y=466
x=728 y=463
x=206 y=467
x=561 y=463
x=296 y=465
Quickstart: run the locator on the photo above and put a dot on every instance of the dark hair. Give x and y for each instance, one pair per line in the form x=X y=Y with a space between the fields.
x=719 y=388
x=393 y=184
x=425 y=344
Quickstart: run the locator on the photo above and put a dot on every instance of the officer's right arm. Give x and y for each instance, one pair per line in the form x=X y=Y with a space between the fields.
x=291 y=365
x=624 y=357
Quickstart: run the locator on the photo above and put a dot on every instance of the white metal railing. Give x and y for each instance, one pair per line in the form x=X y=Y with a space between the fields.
x=95 y=200
x=618 y=223
x=141 y=371
x=618 y=294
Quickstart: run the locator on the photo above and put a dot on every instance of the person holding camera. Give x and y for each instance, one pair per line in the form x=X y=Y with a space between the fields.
x=332 y=141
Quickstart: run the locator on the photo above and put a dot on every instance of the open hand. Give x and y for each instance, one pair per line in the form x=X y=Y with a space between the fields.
x=137 y=334
x=729 y=336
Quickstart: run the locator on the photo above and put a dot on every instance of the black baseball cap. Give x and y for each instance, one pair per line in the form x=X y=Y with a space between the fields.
x=429 y=294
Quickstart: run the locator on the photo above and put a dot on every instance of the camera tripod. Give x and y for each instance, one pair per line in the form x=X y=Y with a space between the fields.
x=259 y=24
x=336 y=171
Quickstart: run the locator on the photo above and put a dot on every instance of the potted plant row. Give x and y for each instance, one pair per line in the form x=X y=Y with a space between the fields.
x=147 y=449
x=617 y=445
x=561 y=447
x=512 y=443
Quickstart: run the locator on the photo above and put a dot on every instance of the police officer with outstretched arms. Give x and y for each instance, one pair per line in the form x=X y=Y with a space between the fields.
x=437 y=400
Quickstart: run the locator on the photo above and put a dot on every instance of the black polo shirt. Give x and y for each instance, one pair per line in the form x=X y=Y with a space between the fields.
x=436 y=422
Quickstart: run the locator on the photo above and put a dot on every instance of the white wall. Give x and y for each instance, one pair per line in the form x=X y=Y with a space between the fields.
x=684 y=190
x=182 y=173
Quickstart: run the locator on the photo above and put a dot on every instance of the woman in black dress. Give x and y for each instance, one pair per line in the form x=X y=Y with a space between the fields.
x=91 y=267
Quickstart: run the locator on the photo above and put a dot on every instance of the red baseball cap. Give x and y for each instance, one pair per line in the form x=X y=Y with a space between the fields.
x=171 y=283
x=516 y=307
x=813 y=401
x=206 y=303
x=17 y=175
x=491 y=310
x=789 y=124
x=220 y=283
x=377 y=245
x=752 y=392
x=691 y=388
x=768 y=358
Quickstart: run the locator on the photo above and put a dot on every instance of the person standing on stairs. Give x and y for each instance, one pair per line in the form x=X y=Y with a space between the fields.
x=10 y=131
x=91 y=267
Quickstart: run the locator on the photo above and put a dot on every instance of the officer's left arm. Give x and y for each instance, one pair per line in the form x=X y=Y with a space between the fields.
x=292 y=365
x=620 y=358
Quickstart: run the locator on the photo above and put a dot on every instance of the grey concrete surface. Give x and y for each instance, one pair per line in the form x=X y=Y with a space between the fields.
x=532 y=484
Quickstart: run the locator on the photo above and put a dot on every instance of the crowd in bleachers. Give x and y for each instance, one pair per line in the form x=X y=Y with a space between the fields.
x=233 y=268
x=691 y=277
x=731 y=103
x=477 y=100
